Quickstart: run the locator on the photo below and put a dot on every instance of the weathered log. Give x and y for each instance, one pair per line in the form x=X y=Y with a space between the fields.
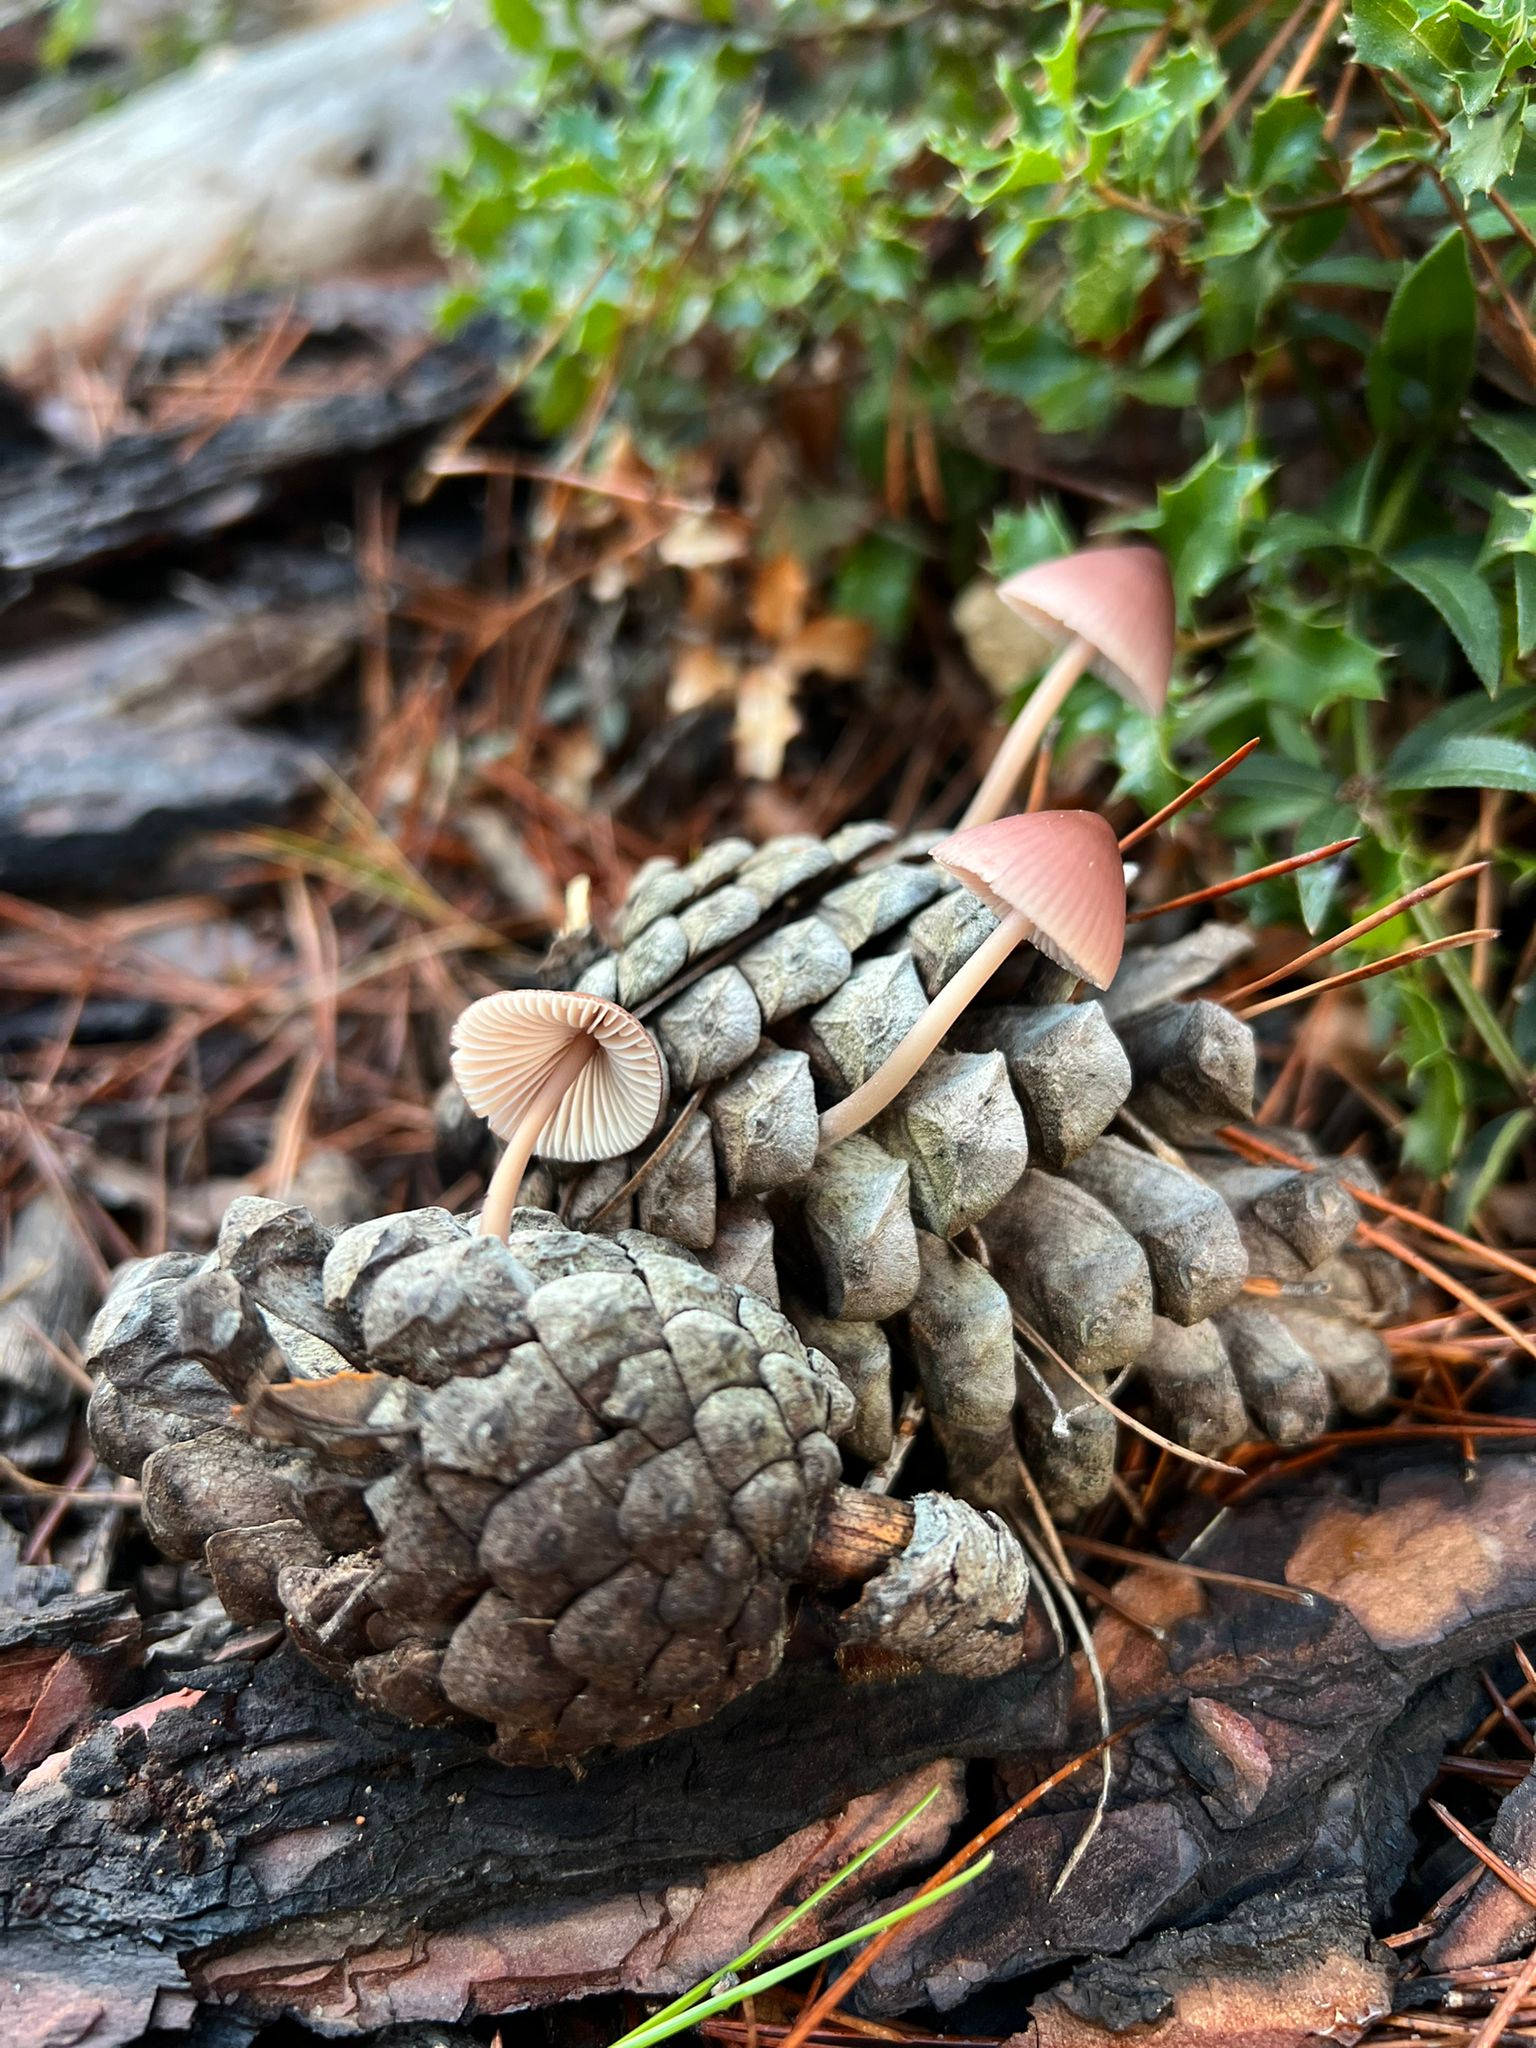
x=310 y=1859
x=307 y=157
x=60 y=510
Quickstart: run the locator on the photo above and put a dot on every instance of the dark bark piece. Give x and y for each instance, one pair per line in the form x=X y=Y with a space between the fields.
x=490 y=1857
x=1495 y=1922
x=1323 y=1725
x=59 y=511
x=47 y=1289
x=83 y=804
x=1286 y=1971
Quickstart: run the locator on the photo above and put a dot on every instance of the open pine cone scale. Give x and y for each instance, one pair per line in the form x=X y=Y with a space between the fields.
x=1047 y=1199
x=561 y=1485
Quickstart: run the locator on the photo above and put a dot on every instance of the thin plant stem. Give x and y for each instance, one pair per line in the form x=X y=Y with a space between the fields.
x=1024 y=735
x=501 y=1195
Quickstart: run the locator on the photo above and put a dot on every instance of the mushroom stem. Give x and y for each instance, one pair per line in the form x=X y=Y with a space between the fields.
x=501 y=1195
x=1024 y=735
x=888 y=1079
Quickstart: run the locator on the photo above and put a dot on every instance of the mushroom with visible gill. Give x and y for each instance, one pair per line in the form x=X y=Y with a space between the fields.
x=1055 y=878
x=1113 y=608
x=570 y=1076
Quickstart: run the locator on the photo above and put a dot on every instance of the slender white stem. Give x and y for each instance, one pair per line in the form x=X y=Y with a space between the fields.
x=888 y=1079
x=1019 y=742
x=501 y=1195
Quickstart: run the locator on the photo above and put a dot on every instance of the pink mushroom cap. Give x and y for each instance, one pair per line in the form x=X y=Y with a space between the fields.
x=1120 y=600
x=1059 y=870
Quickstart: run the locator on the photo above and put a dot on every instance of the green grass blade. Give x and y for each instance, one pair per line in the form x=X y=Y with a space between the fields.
x=663 y=2029
x=702 y=1989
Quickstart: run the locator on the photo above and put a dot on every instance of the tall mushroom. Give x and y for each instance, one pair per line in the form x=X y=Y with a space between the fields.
x=1113 y=608
x=569 y=1076
x=1055 y=878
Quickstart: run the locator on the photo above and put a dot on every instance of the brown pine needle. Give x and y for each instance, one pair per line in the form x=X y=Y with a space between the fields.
x=1117 y=1553
x=1347 y=980
x=1186 y=797
x=1522 y=1887
x=1132 y=1422
x=1358 y=931
x=816 y=2010
x=1428 y=1270
x=1485 y=1254
x=1277 y=867
x=1492 y=2029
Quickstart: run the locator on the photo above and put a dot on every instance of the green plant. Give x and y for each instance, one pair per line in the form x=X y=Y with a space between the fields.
x=706 y=1999
x=1247 y=280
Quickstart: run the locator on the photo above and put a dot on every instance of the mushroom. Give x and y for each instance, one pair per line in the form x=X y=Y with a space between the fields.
x=566 y=1075
x=1054 y=878
x=1113 y=607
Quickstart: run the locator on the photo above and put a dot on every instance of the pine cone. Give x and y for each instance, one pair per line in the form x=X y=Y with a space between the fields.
x=561 y=1485
x=776 y=980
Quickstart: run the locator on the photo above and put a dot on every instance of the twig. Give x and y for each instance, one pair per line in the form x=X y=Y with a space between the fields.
x=1295 y=78
x=1254 y=77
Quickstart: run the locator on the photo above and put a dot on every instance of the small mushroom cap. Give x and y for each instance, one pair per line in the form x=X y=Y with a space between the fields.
x=1118 y=599
x=504 y=1047
x=1061 y=870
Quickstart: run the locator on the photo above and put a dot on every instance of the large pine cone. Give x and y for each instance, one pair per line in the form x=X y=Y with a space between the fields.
x=559 y=1485
x=989 y=1201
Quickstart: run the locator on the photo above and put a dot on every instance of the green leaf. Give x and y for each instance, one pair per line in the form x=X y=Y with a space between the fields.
x=1038 y=533
x=1484 y=1164
x=522 y=23
x=1233 y=227
x=1395 y=35
x=1478 y=761
x=1308 y=661
x=1462 y=598
x=1285 y=142
x=1200 y=517
x=1067 y=390
x=877 y=582
x=1316 y=887
x=1389 y=146
x=1110 y=263
x=1418 y=373
x=1484 y=149
x=1525 y=605
x=1512 y=436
